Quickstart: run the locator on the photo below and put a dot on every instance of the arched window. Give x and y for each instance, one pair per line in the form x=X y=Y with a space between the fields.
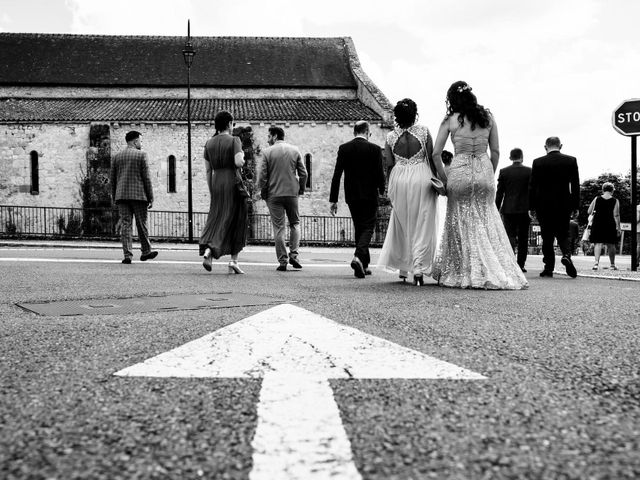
x=307 y=164
x=35 y=174
x=171 y=174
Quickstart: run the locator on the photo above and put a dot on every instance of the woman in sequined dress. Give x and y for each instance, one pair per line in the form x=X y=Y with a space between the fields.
x=474 y=251
x=410 y=242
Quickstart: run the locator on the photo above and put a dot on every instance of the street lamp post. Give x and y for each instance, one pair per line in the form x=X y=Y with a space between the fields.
x=188 y=53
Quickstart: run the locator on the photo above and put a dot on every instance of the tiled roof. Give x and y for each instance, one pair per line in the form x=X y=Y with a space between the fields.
x=35 y=110
x=101 y=60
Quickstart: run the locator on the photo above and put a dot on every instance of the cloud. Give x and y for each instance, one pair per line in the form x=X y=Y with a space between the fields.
x=127 y=17
x=5 y=22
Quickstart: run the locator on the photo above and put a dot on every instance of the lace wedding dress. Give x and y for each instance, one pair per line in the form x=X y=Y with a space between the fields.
x=474 y=251
x=410 y=242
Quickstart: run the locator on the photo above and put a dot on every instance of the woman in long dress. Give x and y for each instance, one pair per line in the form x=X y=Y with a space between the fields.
x=225 y=232
x=410 y=242
x=474 y=251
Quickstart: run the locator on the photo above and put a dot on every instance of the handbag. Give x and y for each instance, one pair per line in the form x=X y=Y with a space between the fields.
x=587 y=230
x=240 y=186
x=436 y=183
x=438 y=186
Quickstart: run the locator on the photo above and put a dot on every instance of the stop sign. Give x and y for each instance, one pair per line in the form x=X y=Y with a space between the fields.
x=626 y=118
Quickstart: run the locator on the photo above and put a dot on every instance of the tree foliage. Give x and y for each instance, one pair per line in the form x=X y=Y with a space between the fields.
x=250 y=152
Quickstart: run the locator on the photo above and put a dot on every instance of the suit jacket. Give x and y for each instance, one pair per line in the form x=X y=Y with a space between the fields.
x=361 y=162
x=130 y=176
x=512 y=194
x=554 y=188
x=282 y=173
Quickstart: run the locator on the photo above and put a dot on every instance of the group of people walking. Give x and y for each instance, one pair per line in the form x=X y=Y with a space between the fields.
x=470 y=248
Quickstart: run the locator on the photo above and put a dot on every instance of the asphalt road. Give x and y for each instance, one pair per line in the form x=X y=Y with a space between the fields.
x=561 y=399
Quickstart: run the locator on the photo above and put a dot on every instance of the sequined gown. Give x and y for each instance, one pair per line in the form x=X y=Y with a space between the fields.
x=474 y=251
x=410 y=242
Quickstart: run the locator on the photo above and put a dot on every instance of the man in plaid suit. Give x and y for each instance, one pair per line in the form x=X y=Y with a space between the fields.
x=131 y=190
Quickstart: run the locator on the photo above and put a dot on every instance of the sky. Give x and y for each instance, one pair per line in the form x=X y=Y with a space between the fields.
x=544 y=67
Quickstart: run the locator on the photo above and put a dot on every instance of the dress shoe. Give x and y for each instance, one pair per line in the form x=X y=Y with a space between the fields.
x=367 y=271
x=523 y=270
x=568 y=265
x=148 y=256
x=126 y=261
x=234 y=268
x=418 y=280
x=546 y=273
x=358 y=269
x=294 y=262
x=282 y=268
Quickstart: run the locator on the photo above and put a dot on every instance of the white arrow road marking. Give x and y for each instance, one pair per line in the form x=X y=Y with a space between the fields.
x=299 y=434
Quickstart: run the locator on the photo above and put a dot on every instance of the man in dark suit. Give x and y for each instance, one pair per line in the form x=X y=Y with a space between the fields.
x=512 y=199
x=554 y=194
x=361 y=162
x=132 y=192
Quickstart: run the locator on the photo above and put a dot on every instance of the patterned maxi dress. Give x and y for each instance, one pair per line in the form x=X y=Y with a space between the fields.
x=410 y=243
x=474 y=251
x=226 y=230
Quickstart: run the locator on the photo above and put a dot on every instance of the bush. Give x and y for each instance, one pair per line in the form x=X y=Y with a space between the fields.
x=71 y=225
x=10 y=228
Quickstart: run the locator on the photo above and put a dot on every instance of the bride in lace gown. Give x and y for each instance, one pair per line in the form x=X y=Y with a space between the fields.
x=474 y=251
x=410 y=242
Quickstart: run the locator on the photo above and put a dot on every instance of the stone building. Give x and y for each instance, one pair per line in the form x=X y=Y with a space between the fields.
x=65 y=100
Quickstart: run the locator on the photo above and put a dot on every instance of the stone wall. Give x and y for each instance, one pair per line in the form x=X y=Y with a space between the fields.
x=62 y=154
x=61 y=157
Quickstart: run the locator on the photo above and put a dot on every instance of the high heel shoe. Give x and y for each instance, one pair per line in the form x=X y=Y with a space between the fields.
x=418 y=280
x=234 y=268
x=206 y=263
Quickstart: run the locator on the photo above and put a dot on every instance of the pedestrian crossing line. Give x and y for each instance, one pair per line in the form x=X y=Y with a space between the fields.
x=299 y=432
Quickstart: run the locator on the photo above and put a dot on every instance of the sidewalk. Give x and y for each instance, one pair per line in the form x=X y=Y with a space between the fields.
x=584 y=266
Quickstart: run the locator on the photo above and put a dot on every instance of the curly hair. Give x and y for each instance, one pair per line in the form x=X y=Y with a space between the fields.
x=460 y=100
x=222 y=120
x=405 y=112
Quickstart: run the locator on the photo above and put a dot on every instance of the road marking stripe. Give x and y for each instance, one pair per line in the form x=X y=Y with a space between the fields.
x=168 y=262
x=299 y=434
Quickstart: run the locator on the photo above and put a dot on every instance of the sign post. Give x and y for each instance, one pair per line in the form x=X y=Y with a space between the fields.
x=626 y=121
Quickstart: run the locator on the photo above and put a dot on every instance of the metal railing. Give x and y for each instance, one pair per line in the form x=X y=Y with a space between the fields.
x=64 y=222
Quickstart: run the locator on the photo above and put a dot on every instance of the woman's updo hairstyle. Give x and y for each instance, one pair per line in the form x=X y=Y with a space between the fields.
x=222 y=120
x=405 y=112
x=462 y=101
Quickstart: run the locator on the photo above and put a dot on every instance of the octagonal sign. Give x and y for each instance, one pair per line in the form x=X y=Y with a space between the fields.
x=626 y=118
